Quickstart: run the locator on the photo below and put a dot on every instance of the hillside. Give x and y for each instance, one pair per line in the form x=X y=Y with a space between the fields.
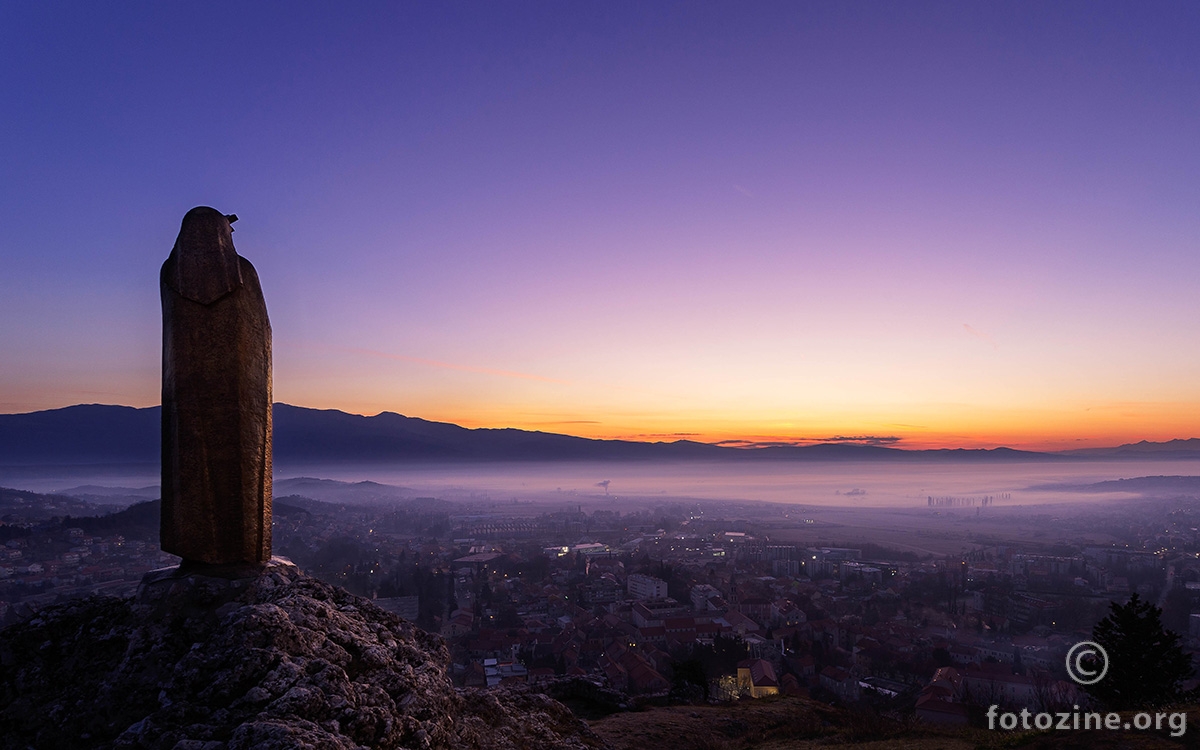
x=793 y=723
x=1145 y=449
x=280 y=660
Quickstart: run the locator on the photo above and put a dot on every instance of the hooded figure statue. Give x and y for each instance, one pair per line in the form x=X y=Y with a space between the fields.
x=216 y=399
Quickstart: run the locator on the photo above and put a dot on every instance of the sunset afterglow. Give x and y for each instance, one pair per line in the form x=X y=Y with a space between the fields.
x=918 y=225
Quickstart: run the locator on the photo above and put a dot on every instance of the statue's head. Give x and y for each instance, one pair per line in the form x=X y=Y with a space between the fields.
x=206 y=265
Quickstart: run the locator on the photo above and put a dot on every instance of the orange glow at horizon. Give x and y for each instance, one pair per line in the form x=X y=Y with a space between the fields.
x=707 y=402
x=1028 y=428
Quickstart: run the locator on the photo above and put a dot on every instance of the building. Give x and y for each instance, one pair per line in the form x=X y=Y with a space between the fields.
x=705 y=597
x=840 y=682
x=651 y=613
x=757 y=678
x=408 y=607
x=646 y=587
x=933 y=709
x=985 y=684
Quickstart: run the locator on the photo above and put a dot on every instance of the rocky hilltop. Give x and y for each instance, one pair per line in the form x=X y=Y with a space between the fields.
x=212 y=660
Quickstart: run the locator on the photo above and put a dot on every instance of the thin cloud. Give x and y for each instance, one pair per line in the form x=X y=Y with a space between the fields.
x=864 y=439
x=760 y=443
x=667 y=434
x=744 y=191
x=875 y=440
x=980 y=335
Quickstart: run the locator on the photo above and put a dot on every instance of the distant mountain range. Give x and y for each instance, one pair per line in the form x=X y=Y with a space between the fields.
x=1160 y=485
x=1178 y=448
x=98 y=434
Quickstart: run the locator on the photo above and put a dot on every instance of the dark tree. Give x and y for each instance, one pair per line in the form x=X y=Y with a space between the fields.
x=1146 y=665
x=722 y=657
x=689 y=682
x=941 y=657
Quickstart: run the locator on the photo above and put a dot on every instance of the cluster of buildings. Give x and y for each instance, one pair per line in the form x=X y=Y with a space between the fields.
x=58 y=562
x=655 y=600
x=834 y=630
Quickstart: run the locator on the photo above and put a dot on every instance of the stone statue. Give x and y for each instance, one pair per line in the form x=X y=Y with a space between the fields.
x=216 y=399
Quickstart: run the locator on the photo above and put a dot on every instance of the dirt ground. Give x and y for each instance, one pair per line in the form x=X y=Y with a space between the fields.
x=788 y=723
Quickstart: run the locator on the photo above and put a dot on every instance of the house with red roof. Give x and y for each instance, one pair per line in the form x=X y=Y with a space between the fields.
x=757 y=677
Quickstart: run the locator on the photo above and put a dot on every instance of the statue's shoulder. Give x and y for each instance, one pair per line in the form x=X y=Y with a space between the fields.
x=249 y=275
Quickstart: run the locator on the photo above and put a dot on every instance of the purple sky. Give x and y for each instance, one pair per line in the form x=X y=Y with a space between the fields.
x=958 y=224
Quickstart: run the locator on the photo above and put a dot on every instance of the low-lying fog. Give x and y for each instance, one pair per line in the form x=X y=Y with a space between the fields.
x=890 y=484
x=844 y=484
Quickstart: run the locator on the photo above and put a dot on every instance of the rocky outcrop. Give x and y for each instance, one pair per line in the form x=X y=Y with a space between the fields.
x=207 y=661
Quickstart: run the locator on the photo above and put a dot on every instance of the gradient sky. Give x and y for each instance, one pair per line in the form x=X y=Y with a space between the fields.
x=958 y=224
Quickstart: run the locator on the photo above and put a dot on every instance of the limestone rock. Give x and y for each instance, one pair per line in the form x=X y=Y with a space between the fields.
x=280 y=660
